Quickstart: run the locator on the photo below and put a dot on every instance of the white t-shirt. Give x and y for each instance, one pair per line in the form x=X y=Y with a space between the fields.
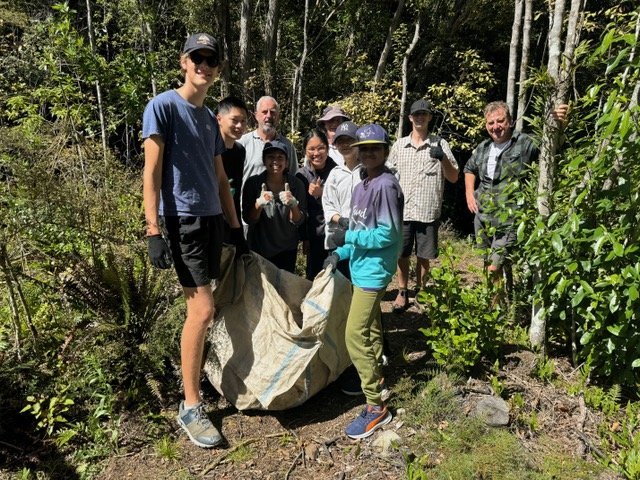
x=494 y=152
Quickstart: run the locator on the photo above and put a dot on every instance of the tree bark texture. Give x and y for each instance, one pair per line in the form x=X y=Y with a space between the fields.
x=270 y=42
x=513 y=57
x=245 y=37
x=382 y=62
x=524 y=64
x=224 y=24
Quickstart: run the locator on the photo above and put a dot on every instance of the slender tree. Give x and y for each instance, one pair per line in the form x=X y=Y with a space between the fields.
x=270 y=42
x=382 y=62
x=524 y=63
x=103 y=126
x=559 y=70
x=296 y=99
x=224 y=24
x=405 y=69
x=245 y=37
x=513 y=56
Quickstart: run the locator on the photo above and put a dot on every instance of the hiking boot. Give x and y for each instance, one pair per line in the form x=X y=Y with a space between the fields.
x=195 y=422
x=402 y=301
x=368 y=421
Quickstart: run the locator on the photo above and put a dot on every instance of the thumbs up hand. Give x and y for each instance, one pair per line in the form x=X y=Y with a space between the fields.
x=287 y=198
x=265 y=198
x=315 y=188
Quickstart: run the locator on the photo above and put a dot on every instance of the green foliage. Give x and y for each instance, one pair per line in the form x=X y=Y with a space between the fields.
x=48 y=411
x=544 y=369
x=375 y=104
x=167 y=448
x=587 y=251
x=464 y=325
x=623 y=444
x=462 y=101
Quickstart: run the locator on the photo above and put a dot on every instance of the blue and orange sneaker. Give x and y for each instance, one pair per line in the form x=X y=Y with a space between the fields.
x=368 y=421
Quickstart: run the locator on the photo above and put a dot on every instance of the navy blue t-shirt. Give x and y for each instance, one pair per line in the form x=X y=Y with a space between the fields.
x=191 y=141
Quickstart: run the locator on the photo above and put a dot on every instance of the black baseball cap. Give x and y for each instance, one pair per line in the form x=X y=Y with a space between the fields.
x=420 y=106
x=201 y=41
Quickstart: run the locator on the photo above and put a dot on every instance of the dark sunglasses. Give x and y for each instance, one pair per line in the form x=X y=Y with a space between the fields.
x=198 y=58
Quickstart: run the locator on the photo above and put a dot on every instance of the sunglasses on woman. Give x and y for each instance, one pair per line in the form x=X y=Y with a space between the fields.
x=197 y=58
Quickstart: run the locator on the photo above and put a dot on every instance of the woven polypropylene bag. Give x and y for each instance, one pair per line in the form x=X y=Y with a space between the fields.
x=277 y=339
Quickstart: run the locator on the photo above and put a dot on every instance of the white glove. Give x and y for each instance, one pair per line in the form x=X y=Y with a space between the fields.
x=265 y=198
x=287 y=198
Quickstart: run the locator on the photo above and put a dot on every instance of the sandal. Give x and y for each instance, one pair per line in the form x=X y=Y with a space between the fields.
x=397 y=307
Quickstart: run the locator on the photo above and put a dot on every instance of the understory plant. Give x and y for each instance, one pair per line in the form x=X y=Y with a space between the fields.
x=583 y=260
x=465 y=323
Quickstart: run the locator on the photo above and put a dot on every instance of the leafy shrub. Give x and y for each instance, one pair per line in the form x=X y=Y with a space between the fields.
x=583 y=261
x=464 y=326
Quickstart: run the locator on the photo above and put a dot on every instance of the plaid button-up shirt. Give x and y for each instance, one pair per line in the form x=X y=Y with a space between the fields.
x=421 y=177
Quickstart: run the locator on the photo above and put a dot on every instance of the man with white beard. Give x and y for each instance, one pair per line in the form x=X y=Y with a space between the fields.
x=267 y=115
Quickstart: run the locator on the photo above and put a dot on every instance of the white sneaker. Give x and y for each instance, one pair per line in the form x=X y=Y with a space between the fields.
x=195 y=422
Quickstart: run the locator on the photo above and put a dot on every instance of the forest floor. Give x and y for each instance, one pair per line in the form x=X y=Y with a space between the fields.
x=554 y=432
x=308 y=442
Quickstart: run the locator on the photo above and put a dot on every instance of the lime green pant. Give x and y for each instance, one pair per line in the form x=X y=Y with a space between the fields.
x=364 y=340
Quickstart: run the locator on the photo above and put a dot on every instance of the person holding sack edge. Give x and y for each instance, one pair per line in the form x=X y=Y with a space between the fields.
x=372 y=244
x=186 y=191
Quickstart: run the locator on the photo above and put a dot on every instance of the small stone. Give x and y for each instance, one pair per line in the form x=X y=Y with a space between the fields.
x=384 y=442
x=401 y=412
x=312 y=451
x=494 y=410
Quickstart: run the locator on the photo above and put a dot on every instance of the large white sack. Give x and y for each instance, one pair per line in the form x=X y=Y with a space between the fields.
x=278 y=338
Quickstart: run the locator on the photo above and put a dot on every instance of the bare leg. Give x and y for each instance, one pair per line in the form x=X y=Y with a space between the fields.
x=422 y=271
x=200 y=310
x=403 y=272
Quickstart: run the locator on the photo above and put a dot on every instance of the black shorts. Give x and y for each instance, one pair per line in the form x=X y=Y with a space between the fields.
x=425 y=236
x=196 y=246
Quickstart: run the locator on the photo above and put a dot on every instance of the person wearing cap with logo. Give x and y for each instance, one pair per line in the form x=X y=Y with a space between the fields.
x=332 y=117
x=421 y=161
x=371 y=244
x=497 y=166
x=185 y=194
x=268 y=116
x=274 y=205
x=336 y=201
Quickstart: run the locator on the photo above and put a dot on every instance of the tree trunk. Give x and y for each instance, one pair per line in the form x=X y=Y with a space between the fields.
x=224 y=24
x=296 y=98
x=382 y=62
x=270 y=40
x=245 y=36
x=513 y=57
x=405 y=68
x=524 y=63
x=560 y=72
x=549 y=142
x=147 y=36
x=103 y=126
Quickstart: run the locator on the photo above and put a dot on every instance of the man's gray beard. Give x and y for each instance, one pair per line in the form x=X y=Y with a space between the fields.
x=268 y=129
